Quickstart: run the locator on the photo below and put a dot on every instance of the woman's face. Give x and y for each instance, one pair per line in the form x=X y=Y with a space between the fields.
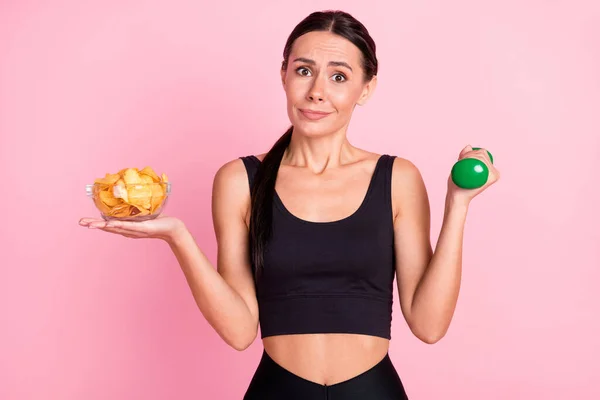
x=323 y=83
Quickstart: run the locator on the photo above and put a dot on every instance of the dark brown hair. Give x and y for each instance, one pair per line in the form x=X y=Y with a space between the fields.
x=339 y=23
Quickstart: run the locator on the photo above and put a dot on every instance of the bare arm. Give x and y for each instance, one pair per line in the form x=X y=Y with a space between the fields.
x=428 y=282
x=226 y=295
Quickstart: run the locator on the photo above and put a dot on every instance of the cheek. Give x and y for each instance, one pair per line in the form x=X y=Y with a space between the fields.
x=296 y=88
x=343 y=99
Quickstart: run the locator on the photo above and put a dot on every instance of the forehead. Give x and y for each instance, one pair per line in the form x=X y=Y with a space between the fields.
x=325 y=46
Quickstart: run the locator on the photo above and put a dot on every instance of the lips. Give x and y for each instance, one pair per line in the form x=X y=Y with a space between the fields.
x=313 y=114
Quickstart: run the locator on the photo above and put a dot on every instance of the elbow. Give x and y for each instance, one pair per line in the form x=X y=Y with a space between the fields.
x=430 y=339
x=242 y=341
x=240 y=345
x=427 y=335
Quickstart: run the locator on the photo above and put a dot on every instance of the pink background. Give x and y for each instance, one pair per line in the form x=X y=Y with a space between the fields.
x=185 y=86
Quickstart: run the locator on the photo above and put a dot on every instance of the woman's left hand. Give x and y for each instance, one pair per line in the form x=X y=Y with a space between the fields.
x=464 y=196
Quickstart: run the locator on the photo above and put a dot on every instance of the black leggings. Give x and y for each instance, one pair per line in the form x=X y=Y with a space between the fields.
x=273 y=382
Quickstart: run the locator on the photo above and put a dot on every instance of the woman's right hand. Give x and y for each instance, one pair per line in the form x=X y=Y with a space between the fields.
x=162 y=227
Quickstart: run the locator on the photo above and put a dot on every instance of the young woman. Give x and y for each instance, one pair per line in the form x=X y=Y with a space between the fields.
x=312 y=234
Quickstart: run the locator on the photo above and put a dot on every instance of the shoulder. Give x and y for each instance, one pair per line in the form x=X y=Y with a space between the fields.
x=231 y=186
x=231 y=173
x=408 y=185
x=404 y=169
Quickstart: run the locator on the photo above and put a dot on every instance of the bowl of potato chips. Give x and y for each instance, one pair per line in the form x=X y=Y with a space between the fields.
x=131 y=194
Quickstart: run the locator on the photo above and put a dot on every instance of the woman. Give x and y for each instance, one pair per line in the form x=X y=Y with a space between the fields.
x=311 y=235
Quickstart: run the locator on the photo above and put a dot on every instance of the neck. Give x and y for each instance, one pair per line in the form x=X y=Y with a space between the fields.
x=318 y=153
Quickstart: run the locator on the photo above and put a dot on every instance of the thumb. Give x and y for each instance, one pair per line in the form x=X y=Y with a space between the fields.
x=465 y=150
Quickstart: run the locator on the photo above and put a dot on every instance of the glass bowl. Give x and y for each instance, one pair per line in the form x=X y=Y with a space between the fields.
x=129 y=202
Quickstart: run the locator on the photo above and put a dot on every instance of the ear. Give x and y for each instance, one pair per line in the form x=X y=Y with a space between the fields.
x=282 y=72
x=367 y=92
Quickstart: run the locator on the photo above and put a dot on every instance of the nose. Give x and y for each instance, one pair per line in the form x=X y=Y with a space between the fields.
x=317 y=91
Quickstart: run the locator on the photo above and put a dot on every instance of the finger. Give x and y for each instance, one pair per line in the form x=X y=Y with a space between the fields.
x=484 y=158
x=464 y=151
x=87 y=221
x=135 y=226
x=481 y=157
x=109 y=227
x=131 y=226
x=96 y=224
x=485 y=154
x=123 y=232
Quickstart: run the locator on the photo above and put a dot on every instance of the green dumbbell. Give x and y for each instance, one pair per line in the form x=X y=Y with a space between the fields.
x=471 y=173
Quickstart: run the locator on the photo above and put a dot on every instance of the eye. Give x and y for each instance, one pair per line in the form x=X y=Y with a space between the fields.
x=303 y=71
x=339 y=77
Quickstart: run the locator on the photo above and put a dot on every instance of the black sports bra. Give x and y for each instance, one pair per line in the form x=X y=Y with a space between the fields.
x=330 y=277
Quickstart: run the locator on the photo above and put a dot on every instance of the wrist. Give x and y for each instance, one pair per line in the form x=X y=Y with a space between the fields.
x=453 y=203
x=177 y=234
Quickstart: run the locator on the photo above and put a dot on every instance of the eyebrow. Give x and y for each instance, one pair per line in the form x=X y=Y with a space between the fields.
x=331 y=63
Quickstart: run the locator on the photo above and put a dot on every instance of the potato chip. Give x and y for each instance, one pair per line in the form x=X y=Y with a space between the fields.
x=122 y=210
x=107 y=197
x=122 y=172
x=137 y=210
x=120 y=190
x=131 y=177
x=104 y=209
x=158 y=196
x=140 y=195
x=109 y=179
x=148 y=171
x=130 y=193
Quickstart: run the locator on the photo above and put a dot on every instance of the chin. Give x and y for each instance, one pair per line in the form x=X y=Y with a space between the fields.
x=313 y=129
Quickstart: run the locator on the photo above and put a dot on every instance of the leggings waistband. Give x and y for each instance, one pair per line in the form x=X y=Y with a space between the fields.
x=271 y=381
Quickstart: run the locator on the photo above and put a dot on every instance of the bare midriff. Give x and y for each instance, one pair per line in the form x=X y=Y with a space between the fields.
x=326 y=359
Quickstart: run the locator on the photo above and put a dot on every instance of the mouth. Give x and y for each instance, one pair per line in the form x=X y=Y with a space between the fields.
x=313 y=115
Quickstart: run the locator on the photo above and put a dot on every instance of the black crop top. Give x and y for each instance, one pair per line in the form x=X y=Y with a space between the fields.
x=330 y=277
